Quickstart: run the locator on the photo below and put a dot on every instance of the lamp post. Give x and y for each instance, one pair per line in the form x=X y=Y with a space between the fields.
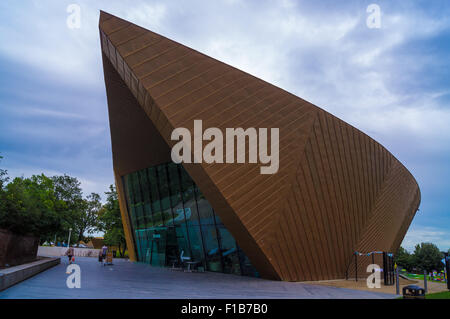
x=68 y=241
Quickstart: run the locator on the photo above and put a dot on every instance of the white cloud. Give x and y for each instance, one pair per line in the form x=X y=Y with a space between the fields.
x=433 y=235
x=37 y=34
x=41 y=112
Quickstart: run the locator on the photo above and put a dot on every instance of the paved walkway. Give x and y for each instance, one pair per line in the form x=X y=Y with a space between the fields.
x=133 y=280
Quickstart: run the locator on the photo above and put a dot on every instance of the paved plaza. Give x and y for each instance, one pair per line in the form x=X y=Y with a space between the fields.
x=134 y=280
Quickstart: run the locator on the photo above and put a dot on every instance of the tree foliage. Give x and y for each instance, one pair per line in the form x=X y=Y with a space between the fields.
x=68 y=191
x=404 y=259
x=86 y=221
x=3 y=177
x=47 y=207
x=427 y=256
x=30 y=206
x=111 y=221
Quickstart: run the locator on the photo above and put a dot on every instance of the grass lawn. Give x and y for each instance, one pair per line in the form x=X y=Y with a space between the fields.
x=414 y=276
x=420 y=277
x=438 y=295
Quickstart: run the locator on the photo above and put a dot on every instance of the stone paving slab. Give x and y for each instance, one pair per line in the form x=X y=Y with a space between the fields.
x=126 y=279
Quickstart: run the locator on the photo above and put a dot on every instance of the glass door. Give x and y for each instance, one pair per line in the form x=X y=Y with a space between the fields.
x=158 y=246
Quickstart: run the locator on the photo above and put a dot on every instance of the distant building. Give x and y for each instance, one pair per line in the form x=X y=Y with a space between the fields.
x=96 y=242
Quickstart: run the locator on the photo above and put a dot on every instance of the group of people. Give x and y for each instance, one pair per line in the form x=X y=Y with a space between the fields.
x=101 y=256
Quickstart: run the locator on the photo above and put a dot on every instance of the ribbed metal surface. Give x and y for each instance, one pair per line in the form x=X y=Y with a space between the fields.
x=337 y=190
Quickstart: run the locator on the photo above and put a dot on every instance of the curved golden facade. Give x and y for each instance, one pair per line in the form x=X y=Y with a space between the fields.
x=337 y=190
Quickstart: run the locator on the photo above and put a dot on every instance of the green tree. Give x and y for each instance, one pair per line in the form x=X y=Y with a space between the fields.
x=71 y=210
x=29 y=206
x=427 y=256
x=86 y=221
x=68 y=189
x=3 y=176
x=3 y=181
x=47 y=207
x=78 y=213
x=404 y=259
x=111 y=221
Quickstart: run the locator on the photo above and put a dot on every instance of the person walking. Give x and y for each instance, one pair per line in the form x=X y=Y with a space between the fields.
x=104 y=252
x=70 y=253
x=100 y=256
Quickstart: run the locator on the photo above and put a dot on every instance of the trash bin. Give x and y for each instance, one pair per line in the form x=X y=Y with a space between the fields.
x=413 y=292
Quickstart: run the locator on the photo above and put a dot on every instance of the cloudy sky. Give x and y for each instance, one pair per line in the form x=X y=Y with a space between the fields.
x=391 y=82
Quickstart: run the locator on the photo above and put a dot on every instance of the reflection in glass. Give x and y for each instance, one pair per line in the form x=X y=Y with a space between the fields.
x=170 y=217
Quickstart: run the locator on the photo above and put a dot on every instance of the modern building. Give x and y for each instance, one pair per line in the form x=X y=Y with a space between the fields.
x=337 y=190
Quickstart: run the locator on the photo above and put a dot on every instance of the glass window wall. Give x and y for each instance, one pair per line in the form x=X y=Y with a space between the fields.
x=173 y=221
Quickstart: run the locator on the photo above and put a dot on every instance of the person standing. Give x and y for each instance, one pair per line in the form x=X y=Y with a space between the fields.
x=104 y=251
x=70 y=253
x=100 y=256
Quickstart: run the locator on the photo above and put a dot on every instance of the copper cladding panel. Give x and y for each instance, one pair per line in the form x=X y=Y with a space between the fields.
x=336 y=191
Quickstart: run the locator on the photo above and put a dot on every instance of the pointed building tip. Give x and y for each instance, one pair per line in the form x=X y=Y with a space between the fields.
x=104 y=16
x=104 y=13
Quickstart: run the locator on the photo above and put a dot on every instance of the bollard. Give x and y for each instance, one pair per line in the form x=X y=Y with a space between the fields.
x=425 y=281
x=397 y=282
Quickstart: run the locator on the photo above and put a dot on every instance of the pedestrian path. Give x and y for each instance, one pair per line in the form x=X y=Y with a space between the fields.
x=135 y=280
